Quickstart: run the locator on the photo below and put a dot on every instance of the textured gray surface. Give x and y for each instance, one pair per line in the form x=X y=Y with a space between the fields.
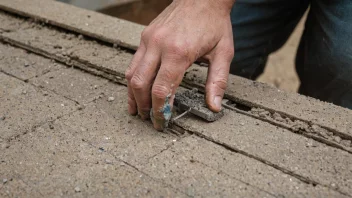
x=197 y=150
x=25 y=67
x=291 y=152
x=336 y=118
x=74 y=84
x=80 y=152
x=24 y=107
x=54 y=161
x=87 y=22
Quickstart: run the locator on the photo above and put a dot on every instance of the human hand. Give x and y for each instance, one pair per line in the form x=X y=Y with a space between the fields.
x=184 y=32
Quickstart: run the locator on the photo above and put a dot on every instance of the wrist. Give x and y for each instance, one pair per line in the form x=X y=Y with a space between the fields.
x=223 y=6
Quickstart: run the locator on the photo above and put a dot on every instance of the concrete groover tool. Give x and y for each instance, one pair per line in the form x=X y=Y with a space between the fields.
x=190 y=101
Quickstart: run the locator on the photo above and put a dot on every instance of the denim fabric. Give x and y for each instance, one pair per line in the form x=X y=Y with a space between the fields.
x=324 y=56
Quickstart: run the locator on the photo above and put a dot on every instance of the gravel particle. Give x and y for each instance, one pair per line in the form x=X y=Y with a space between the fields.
x=337 y=139
x=108 y=161
x=26 y=64
x=80 y=37
x=4 y=180
x=2 y=117
x=5 y=146
x=77 y=189
x=346 y=143
x=110 y=99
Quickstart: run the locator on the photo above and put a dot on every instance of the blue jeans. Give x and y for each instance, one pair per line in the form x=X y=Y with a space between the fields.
x=324 y=56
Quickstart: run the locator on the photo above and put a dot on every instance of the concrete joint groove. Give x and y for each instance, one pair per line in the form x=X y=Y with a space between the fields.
x=298 y=126
x=138 y=170
x=288 y=172
x=34 y=127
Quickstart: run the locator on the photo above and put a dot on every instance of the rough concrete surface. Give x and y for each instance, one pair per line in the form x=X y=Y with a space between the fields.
x=78 y=154
x=334 y=118
x=197 y=150
x=55 y=161
x=24 y=65
x=52 y=146
x=313 y=161
x=198 y=180
x=128 y=138
x=24 y=107
x=109 y=29
x=72 y=83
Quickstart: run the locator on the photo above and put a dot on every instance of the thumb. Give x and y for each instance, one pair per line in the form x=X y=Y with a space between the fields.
x=218 y=74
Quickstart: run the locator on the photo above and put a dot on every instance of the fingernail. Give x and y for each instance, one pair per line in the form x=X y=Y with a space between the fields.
x=217 y=102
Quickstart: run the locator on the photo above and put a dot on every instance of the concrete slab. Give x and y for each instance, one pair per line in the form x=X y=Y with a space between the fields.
x=107 y=124
x=79 y=20
x=239 y=89
x=25 y=107
x=130 y=139
x=243 y=168
x=24 y=65
x=72 y=83
x=302 y=157
x=10 y=86
x=66 y=46
x=54 y=161
x=197 y=179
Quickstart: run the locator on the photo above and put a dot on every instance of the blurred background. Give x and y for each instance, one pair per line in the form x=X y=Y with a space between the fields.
x=280 y=71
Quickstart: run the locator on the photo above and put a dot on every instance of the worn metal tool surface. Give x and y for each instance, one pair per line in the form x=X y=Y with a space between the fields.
x=190 y=101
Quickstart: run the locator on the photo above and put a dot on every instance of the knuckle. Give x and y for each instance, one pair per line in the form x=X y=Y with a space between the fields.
x=129 y=74
x=221 y=84
x=168 y=75
x=157 y=36
x=145 y=33
x=160 y=91
x=137 y=82
x=179 y=48
x=229 y=51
